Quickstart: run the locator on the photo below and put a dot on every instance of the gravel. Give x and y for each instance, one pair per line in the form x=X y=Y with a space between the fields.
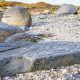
x=61 y=73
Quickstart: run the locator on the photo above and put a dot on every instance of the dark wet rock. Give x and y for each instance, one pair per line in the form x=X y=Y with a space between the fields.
x=31 y=57
x=66 y=9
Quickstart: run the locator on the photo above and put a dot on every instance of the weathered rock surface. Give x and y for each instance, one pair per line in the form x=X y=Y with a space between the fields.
x=60 y=46
x=7 y=30
x=23 y=37
x=66 y=9
x=17 y=16
x=24 y=57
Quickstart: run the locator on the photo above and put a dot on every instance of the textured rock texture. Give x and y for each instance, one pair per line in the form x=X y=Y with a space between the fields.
x=23 y=37
x=66 y=9
x=17 y=16
x=26 y=57
x=59 y=46
x=7 y=30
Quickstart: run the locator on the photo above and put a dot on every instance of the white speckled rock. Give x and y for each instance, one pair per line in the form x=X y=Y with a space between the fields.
x=17 y=16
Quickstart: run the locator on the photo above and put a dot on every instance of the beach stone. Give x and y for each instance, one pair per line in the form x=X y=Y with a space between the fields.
x=42 y=16
x=26 y=57
x=66 y=9
x=7 y=30
x=17 y=16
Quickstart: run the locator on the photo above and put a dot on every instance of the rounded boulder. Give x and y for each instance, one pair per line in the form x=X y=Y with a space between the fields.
x=17 y=16
x=66 y=9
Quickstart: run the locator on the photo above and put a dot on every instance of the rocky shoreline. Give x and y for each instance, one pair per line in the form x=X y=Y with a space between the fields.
x=50 y=42
x=65 y=28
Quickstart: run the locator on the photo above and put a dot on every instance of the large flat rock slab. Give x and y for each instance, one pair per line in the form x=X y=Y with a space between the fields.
x=37 y=56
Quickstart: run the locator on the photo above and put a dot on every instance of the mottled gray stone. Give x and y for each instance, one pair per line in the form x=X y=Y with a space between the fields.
x=66 y=9
x=17 y=16
x=16 y=58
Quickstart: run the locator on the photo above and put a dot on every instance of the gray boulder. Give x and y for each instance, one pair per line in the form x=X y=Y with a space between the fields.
x=17 y=16
x=19 y=57
x=66 y=9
